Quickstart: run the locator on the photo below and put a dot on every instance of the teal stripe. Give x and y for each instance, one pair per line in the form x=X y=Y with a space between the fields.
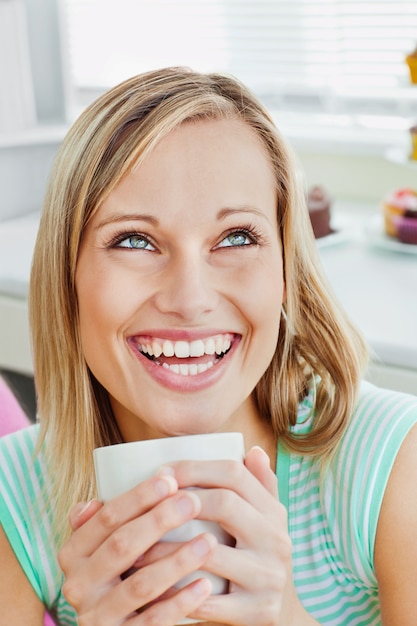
x=26 y=523
x=333 y=518
x=282 y=471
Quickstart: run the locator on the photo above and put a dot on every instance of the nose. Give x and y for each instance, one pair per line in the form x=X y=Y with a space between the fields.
x=186 y=289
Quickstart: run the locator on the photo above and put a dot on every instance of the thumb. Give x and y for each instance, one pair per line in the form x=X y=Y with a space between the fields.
x=258 y=463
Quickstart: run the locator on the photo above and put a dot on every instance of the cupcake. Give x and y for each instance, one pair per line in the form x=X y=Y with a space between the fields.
x=411 y=60
x=400 y=215
x=319 y=204
x=407 y=230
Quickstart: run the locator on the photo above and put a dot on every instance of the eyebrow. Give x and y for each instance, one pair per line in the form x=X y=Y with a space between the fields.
x=150 y=219
x=225 y=212
x=124 y=217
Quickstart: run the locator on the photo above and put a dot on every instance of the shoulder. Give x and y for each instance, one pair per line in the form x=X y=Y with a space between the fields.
x=396 y=537
x=25 y=515
x=381 y=418
x=24 y=436
x=380 y=422
x=385 y=401
x=22 y=604
x=364 y=460
x=17 y=454
x=22 y=476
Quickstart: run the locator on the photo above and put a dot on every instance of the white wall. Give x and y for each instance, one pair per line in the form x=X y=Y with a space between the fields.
x=356 y=177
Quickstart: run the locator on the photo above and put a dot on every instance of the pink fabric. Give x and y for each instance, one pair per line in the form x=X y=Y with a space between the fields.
x=48 y=620
x=12 y=418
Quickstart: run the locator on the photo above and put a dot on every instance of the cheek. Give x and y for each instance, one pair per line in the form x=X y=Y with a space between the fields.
x=92 y=323
x=263 y=291
x=261 y=297
x=100 y=311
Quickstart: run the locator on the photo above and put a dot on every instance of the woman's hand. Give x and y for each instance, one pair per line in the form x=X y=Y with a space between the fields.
x=244 y=500
x=109 y=539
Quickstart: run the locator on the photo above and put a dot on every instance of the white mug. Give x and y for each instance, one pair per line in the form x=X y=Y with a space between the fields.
x=122 y=466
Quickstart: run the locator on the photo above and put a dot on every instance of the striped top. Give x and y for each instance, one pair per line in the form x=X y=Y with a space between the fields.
x=332 y=518
x=27 y=523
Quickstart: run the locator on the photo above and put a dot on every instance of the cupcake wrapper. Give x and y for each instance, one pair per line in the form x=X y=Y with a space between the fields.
x=407 y=230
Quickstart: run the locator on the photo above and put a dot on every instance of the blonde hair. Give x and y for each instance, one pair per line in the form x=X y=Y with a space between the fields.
x=316 y=339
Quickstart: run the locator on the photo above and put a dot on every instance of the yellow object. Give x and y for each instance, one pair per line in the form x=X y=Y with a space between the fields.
x=411 y=61
x=413 y=134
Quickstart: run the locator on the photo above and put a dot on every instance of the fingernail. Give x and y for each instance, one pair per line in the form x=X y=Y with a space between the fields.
x=165 y=470
x=138 y=560
x=260 y=450
x=202 y=587
x=83 y=507
x=188 y=504
x=165 y=486
x=203 y=545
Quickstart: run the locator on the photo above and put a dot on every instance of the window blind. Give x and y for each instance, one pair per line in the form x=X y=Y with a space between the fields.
x=331 y=55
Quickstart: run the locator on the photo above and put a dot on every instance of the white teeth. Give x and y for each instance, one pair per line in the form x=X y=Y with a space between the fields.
x=210 y=346
x=218 y=344
x=182 y=349
x=197 y=348
x=157 y=349
x=168 y=348
x=183 y=369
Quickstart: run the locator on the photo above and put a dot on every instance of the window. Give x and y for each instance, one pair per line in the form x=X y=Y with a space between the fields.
x=329 y=56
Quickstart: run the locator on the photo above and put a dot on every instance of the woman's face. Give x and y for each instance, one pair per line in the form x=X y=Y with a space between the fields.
x=180 y=283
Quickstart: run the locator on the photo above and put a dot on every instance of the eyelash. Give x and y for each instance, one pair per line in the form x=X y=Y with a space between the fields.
x=248 y=230
x=122 y=236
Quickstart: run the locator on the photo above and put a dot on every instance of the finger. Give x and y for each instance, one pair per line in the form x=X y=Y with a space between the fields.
x=113 y=514
x=148 y=584
x=182 y=604
x=240 y=608
x=239 y=518
x=82 y=512
x=123 y=546
x=249 y=570
x=156 y=552
x=258 y=463
x=230 y=475
x=135 y=538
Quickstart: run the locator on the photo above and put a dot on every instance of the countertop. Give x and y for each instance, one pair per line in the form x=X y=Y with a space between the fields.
x=376 y=281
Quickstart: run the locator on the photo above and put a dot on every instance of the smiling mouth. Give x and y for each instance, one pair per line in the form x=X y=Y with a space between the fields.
x=186 y=358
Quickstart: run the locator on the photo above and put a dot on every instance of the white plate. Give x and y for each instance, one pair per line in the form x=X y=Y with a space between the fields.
x=376 y=236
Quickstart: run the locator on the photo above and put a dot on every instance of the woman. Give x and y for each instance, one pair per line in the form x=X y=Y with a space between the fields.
x=176 y=289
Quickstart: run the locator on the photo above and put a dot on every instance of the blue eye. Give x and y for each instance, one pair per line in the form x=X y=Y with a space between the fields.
x=236 y=239
x=135 y=242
